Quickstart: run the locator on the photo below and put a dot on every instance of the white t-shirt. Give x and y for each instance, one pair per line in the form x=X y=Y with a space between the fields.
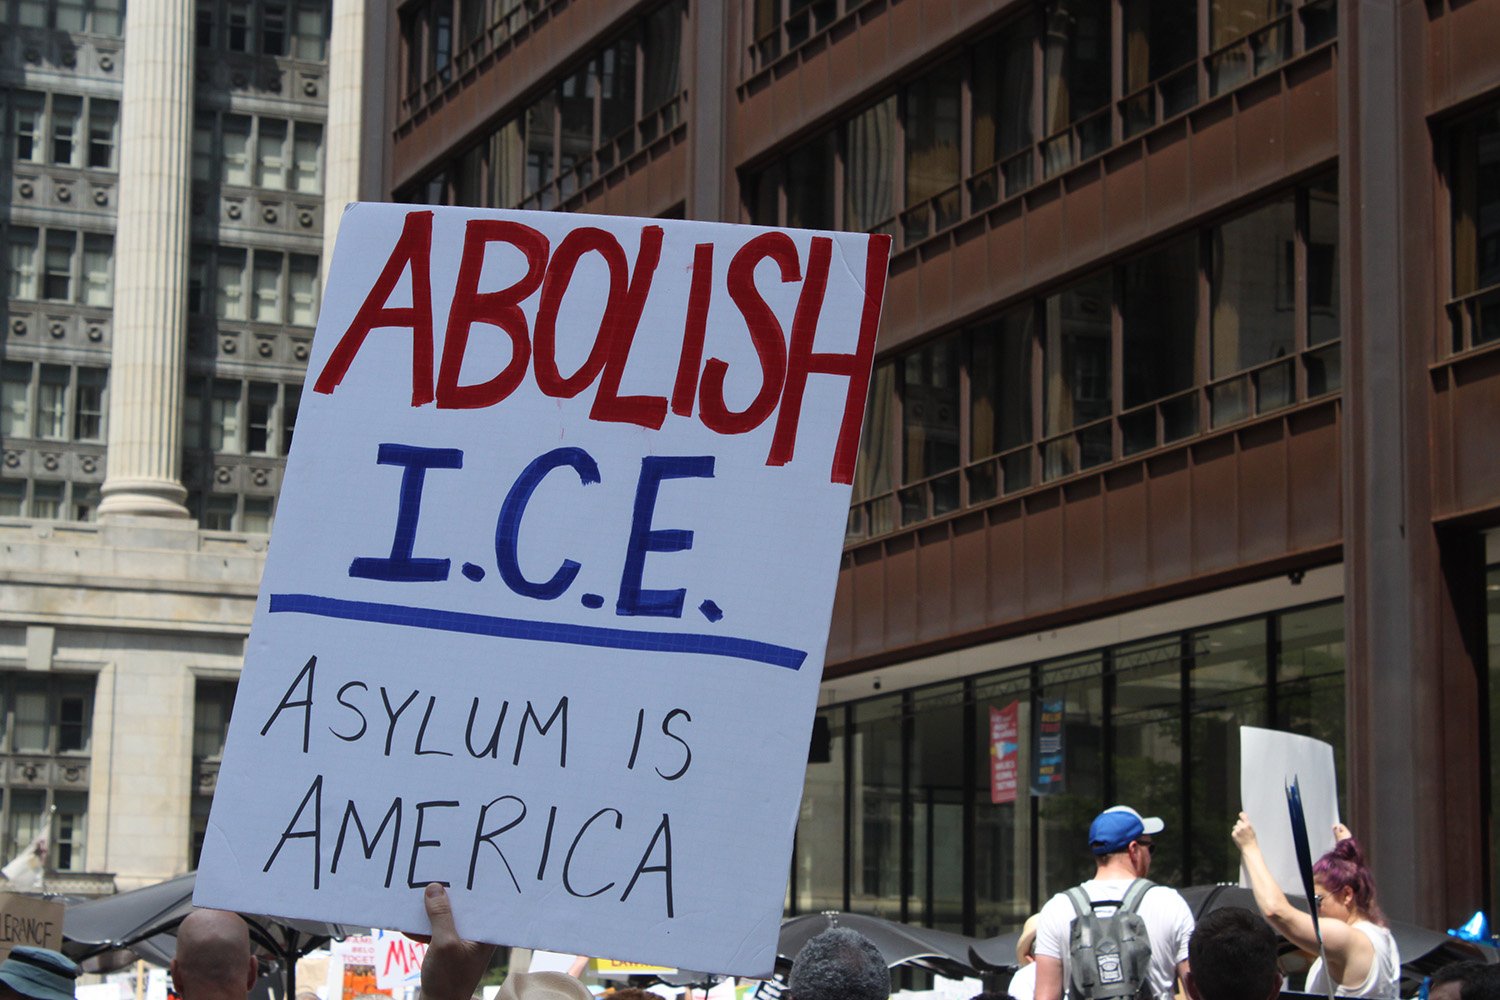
x=1023 y=983
x=1169 y=924
x=1384 y=977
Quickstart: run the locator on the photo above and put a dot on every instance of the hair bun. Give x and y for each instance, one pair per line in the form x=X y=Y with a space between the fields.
x=1349 y=850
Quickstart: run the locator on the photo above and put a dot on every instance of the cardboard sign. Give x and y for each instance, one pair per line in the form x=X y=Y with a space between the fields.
x=608 y=968
x=398 y=960
x=1005 y=752
x=550 y=582
x=1269 y=760
x=356 y=949
x=29 y=921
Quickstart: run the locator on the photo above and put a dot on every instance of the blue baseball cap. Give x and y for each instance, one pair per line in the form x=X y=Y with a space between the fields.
x=1114 y=829
x=39 y=973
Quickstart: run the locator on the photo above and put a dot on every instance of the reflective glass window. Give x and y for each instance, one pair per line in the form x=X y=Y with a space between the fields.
x=875 y=784
x=1066 y=777
x=818 y=879
x=809 y=185
x=869 y=167
x=67 y=113
x=937 y=817
x=1228 y=690
x=1002 y=826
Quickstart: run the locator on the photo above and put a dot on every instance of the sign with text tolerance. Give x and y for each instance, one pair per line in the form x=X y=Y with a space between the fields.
x=547 y=601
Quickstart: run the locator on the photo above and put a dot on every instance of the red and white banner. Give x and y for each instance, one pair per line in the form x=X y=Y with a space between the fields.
x=1005 y=752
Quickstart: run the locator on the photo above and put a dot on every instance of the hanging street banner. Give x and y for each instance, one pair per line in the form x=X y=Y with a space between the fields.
x=1050 y=769
x=1005 y=752
x=545 y=609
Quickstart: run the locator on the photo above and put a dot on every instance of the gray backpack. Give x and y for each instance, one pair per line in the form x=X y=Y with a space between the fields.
x=1110 y=958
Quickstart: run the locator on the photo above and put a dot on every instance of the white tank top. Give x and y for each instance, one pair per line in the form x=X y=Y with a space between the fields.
x=1384 y=977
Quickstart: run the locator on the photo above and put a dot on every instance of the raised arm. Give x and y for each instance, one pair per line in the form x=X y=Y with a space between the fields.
x=1288 y=921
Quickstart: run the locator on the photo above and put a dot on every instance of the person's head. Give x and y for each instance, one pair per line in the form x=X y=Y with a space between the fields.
x=543 y=986
x=37 y=974
x=213 y=956
x=1026 y=943
x=1344 y=884
x=632 y=993
x=839 y=964
x=1466 y=981
x=1232 y=956
x=1121 y=836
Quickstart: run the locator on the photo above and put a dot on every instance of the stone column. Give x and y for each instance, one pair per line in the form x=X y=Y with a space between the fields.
x=151 y=264
x=353 y=119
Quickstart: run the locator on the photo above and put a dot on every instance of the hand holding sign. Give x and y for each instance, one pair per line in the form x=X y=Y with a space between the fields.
x=553 y=567
x=451 y=967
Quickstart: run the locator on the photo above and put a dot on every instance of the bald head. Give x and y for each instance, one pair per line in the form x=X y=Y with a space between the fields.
x=213 y=956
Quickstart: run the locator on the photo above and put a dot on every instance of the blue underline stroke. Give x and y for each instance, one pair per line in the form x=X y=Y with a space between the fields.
x=537 y=631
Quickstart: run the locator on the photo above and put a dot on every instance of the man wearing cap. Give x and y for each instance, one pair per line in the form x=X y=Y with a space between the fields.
x=1121 y=842
x=37 y=974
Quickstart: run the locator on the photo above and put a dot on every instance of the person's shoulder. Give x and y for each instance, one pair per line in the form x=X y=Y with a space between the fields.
x=1160 y=891
x=1058 y=903
x=1167 y=900
x=1053 y=921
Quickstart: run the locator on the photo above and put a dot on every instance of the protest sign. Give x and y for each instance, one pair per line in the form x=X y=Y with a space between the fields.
x=27 y=920
x=550 y=582
x=356 y=949
x=1269 y=761
x=398 y=960
x=352 y=972
x=608 y=968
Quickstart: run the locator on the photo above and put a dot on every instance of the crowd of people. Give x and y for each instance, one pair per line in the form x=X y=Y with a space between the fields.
x=1116 y=936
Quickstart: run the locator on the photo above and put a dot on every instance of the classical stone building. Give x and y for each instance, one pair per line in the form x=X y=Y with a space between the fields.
x=165 y=171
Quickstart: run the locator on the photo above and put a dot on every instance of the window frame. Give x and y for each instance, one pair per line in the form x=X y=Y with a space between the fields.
x=56 y=691
x=68 y=417
x=212 y=164
x=43 y=267
x=1087 y=445
x=50 y=111
x=234 y=432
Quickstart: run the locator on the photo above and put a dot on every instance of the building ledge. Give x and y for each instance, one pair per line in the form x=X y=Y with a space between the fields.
x=121 y=547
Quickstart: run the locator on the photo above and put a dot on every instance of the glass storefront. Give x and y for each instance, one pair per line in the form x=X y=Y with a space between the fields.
x=899 y=818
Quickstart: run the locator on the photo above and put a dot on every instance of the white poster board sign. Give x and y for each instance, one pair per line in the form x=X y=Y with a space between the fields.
x=356 y=949
x=551 y=576
x=398 y=960
x=1269 y=761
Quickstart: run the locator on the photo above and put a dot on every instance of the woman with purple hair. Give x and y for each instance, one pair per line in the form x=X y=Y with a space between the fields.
x=1362 y=960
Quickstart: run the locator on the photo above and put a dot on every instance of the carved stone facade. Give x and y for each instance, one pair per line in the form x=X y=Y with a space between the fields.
x=122 y=630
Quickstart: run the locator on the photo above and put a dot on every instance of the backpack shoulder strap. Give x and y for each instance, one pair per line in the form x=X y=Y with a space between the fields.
x=1081 y=902
x=1135 y=894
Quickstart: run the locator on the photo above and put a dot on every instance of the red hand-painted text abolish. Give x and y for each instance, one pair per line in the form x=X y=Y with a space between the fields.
x=786 y=360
